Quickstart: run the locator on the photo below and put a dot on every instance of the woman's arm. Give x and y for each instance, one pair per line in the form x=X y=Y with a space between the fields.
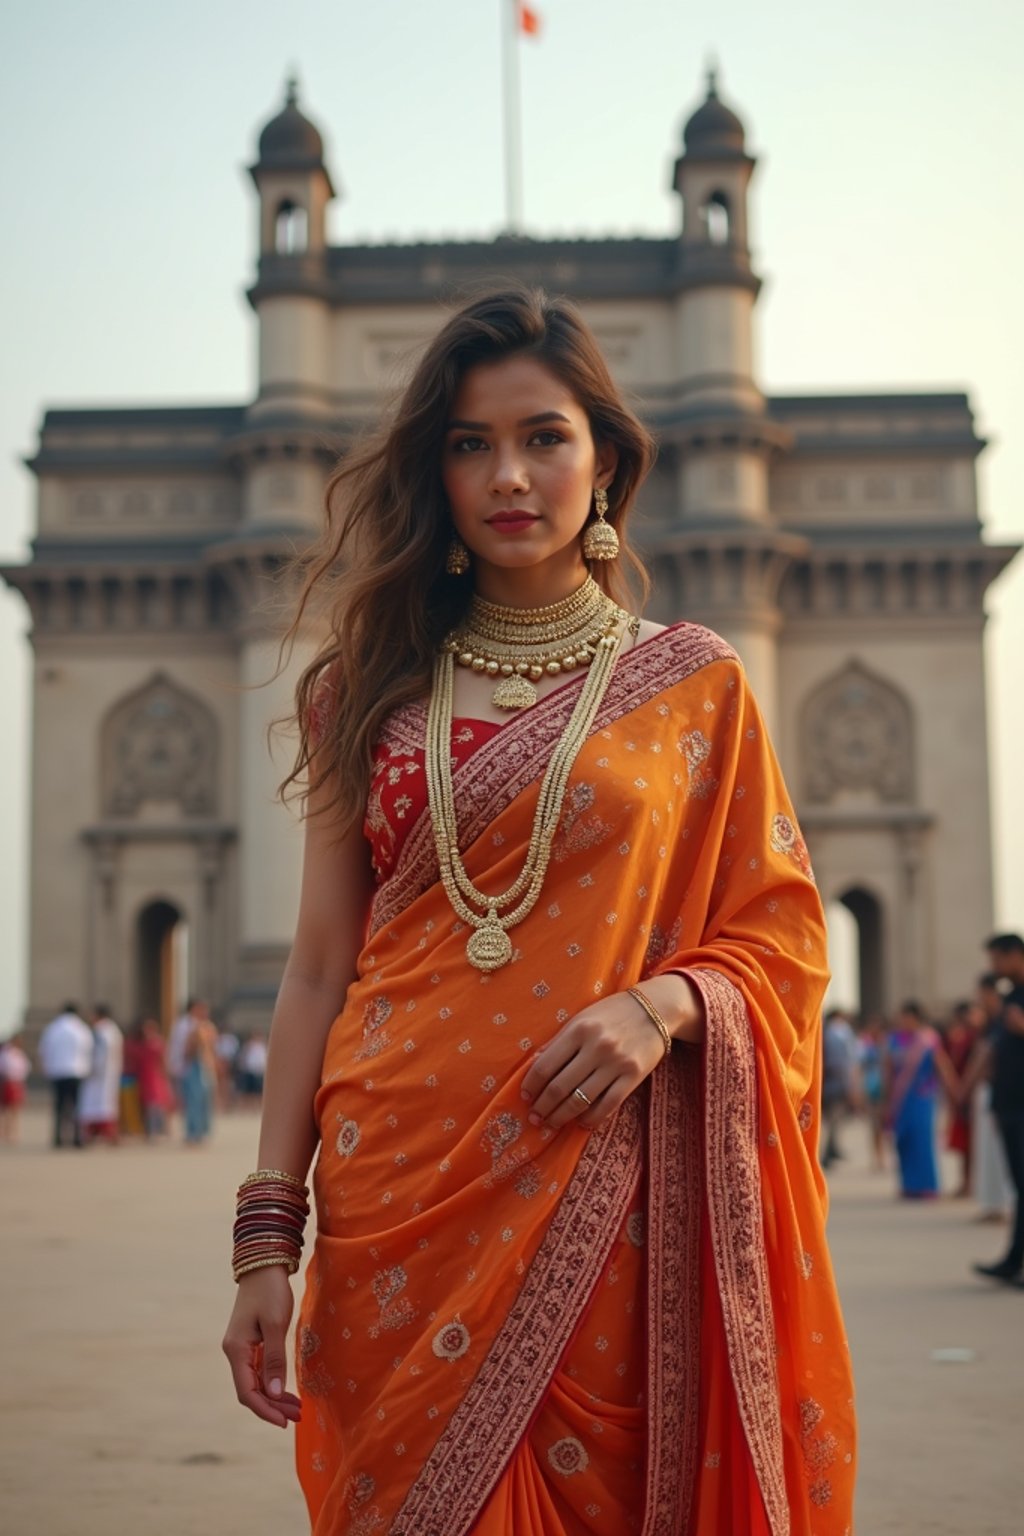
x=944 y=1067
x=336 y=886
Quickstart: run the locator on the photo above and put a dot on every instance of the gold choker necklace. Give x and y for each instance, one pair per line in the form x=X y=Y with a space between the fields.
x=519 y=646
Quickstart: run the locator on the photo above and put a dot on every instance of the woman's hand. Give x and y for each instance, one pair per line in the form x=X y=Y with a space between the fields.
x=255 y=1345
x=606 y=1051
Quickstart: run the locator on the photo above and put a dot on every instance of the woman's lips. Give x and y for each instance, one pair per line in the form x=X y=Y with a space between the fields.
x=510 y=522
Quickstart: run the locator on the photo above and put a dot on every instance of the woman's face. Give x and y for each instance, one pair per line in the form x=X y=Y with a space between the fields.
x=520 y=467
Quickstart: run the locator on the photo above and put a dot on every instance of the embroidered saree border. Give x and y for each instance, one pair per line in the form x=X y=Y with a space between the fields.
x=483 y=1432
x=518 y=753
x=733 y=1174
x=673 y=1294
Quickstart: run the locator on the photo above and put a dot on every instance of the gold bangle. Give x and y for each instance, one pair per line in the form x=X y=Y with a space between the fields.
x=247 y=1269
x=268 y=1175
x=654 y=1016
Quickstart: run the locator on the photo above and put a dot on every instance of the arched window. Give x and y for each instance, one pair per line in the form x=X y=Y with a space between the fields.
x=291 y=229
x=717 y=221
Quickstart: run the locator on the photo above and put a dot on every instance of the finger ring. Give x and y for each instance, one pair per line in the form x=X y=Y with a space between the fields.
x=578 y=1093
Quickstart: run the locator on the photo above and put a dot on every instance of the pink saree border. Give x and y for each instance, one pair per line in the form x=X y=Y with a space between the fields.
x=673 y=1293
x=503 y=767
x=733 y=1173
x=474 y=1449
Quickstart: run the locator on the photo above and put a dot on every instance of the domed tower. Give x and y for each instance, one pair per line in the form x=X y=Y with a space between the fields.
x=282 y=454
x=730 y=556
x=291 y=297
x=719 y=286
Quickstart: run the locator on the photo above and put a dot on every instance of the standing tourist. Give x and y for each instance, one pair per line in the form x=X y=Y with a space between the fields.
x=252 y=1067
x=199 y=1078
x=552 y=1010
x=960 y=1041
x=992 y=1185
x=838 y=1081
x=154 y=1090
x=1006 y=959
x=181 y=1033
x=99 y=1105
x=916 y=1069
x=14 y=1071
x=65 y=1055
x=228 y=1046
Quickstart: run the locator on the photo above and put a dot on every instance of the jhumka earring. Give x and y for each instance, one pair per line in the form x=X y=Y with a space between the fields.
x=600 y=541
x=457 y=563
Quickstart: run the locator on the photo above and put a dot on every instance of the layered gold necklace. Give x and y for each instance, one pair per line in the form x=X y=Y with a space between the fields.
x=519 y=646
x=489 y=946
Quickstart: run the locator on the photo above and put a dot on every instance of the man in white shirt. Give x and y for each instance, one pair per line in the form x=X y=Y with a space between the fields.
x=65 y=1055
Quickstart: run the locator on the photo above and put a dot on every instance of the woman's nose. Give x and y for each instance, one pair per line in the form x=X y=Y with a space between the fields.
x=508 y=473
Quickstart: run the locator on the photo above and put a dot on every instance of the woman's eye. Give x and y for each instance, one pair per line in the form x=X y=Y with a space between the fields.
x=469 y=444
x=548 y=439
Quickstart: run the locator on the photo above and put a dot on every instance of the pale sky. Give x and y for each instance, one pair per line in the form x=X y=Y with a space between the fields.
x=886 y=215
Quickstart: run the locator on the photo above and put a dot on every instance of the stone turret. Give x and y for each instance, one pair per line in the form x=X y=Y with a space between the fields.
x=291 y=294
x=731 y=556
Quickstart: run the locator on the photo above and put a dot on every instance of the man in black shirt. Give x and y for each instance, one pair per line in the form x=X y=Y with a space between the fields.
x=1006 y=959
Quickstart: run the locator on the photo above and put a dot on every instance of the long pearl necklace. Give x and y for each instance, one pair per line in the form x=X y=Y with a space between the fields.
x=489 y=946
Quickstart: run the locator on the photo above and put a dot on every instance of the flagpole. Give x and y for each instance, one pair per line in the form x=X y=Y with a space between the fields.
x=512 y=122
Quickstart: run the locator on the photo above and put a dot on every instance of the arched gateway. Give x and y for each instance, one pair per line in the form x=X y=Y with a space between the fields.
x=833 y=539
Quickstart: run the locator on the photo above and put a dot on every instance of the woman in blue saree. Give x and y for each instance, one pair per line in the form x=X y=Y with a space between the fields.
x=916 y=1069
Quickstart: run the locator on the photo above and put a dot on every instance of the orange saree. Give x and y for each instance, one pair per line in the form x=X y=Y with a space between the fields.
x=507 y=1331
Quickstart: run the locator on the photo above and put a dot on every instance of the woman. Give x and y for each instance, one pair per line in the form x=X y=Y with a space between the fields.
x=570 y=1273
x=15 y=1067
x=959 y=1045
x=916 y=1067
x=199 y=1079
x=155 y=1095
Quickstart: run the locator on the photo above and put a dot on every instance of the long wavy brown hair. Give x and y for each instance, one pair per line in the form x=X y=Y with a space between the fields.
x=376 y=576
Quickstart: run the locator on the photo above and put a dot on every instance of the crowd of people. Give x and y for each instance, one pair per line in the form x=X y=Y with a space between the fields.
x=960 y=1079
x=107 y=1083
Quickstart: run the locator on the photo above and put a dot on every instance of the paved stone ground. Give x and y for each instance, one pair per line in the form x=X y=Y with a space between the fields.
x=116 y=1412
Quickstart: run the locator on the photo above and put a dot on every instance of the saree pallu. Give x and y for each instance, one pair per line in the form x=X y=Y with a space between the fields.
x=507 y=1331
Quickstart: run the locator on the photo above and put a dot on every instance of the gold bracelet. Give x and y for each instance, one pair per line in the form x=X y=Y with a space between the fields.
x=654 y=1016
x=267 y=1175
x=247 y=1269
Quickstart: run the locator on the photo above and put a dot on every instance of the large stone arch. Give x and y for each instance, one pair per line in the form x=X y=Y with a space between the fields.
x=160 y=744
x=857 y=735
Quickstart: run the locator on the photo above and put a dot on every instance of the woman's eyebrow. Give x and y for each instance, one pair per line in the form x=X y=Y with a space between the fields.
x=527 y=421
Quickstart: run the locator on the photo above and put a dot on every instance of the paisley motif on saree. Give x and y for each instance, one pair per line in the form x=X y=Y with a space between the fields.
x=508 y=1332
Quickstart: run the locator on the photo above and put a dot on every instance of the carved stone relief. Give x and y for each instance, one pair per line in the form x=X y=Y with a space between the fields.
x=160 y=744
x=879 y=488
x=858 y=735
x=831 y=488
x=153 y=502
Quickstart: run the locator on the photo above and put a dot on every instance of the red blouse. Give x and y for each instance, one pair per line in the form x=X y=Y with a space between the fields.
x=398 y=790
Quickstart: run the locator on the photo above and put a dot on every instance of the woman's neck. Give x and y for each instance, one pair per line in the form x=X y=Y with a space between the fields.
x=530 y=587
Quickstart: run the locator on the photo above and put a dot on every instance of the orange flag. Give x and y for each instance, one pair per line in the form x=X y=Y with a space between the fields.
x=529 y=21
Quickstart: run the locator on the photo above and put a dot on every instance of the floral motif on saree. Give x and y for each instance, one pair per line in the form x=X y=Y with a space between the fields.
x=537 y=1334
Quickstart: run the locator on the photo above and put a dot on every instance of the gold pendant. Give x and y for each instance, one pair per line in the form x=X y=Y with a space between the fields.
x=514 y=693
x=490 y=947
